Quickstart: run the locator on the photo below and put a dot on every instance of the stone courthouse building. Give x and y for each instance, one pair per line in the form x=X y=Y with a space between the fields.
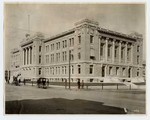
x=96 y=55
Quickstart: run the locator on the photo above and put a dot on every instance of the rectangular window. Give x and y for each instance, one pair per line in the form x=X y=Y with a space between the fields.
x=109 y=50
x=56 y=57
x=56 y=70
x=47 y=48
x=65 y=56
x=79 y=55
x=47 y=58
x=79 y=39
x=50 y=70
x=39 y=59
x=53 y=70
x=79 y=69
x=110 y=70
x=53 y=57
x=53 y=47
x=123 y=71
x=91 y=80
x=63 y=44
x=65 y=70
x=137 y=59
x=57 y=46
x=122 y=52
x=102 y=49
x=91 y=39
x=128 y=53
x=91 y=69
x=72 y=41
x=72 y=69
x=40 y=47
x=39 y=71
x=137 y=72
x=116 y=47
x=59 y=57
x=117 y=70
x=71 y=55
x=138 y=48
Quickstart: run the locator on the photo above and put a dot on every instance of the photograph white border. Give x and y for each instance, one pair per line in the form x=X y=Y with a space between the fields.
x=74 y=117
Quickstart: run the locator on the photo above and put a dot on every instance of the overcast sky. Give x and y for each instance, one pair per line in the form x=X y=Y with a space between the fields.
x=52 y=19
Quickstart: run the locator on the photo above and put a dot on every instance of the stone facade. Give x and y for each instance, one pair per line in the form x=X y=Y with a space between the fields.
x=96 y=55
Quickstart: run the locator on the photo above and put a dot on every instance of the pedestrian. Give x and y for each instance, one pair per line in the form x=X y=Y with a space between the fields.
x=47 y=83
x=19 y=81
x=82 y=84
x=78 y=83
x=65 y=83
x=24 y=81
x=38 y=83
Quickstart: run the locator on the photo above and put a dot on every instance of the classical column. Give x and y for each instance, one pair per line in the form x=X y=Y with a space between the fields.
x=100 y=47
x=29 y=55
x=106 y=49
x=23 y=57
x=26 y=56
x=113 y=51
x=33 y=55
x=131 y=53
x=126 y=46
x=120 y=52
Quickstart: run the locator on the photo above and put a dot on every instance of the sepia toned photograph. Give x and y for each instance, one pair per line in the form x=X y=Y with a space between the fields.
x=83 y=58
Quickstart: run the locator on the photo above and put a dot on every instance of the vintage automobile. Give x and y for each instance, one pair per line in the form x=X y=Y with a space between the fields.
x=41 y=83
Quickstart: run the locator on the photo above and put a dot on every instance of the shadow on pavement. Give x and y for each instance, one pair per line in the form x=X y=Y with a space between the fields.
x=59 y=106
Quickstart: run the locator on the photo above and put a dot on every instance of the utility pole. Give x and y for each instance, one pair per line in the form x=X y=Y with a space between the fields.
x=69 y=66
x=28 y=33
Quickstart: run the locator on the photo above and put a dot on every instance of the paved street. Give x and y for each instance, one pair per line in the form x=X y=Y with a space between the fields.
x=133 y=101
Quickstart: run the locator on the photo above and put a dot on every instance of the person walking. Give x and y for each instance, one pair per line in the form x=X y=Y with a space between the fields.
x=65 y=83
x=78 y=83
x=24 y=81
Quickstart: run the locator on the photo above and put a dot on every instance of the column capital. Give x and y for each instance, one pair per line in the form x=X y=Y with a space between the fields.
x=107 y=38
x=120 y=42
x=114 y=40
x=30 y=47
x=100 y=36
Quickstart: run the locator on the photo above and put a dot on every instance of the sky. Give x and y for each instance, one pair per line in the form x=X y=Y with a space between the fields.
x=52 y=19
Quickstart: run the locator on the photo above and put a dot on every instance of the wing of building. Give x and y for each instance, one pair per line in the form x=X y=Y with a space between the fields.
x=96 y=55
